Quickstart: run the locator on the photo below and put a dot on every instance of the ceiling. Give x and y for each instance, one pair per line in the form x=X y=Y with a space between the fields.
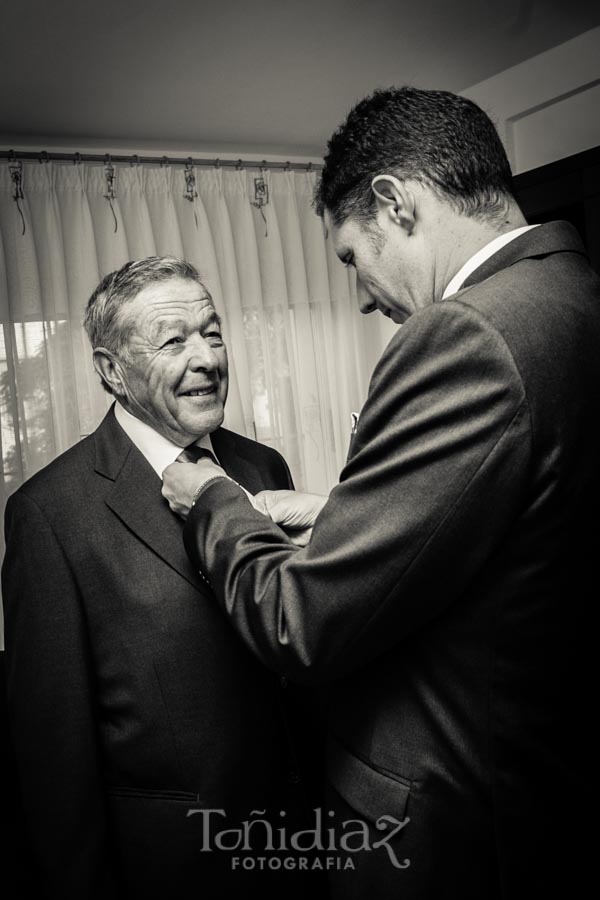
x=247 y=76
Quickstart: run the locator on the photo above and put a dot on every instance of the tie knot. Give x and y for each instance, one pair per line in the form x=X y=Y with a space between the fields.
x=193 y=453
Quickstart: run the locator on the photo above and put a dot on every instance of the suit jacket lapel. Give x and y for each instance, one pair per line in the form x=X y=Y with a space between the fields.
x=236 y=463
x=137 y=500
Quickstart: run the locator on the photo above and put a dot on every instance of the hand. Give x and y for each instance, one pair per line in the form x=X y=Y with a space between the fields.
x=293 y=511
x=182 y=481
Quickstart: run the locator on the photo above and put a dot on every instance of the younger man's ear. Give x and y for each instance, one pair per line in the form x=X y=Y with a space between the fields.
x=395 y=201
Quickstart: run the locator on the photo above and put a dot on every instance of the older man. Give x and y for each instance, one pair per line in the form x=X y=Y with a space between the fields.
x=447 y=587
x=134 y=707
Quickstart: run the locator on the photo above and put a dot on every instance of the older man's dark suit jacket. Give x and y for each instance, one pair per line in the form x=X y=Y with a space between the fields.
x=449 y=590
x=130 y=697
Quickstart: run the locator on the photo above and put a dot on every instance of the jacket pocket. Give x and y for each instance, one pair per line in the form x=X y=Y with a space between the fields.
x=372 y=792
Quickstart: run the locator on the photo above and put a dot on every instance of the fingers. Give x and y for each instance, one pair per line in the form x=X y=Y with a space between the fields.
x=293 y=511
x=280 y=506
x=260 y=503
x=299 y=538
x=169 y=493
x=181 y=481
x=290 y=509
x=272 y=504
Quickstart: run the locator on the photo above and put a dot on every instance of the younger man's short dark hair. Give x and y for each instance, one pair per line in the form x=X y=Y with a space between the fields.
x=434 y=137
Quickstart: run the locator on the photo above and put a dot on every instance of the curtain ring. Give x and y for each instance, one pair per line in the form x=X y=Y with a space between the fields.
x=287 y=167
x=217 y=163
x=77 y=159
x=135 y=160
x=44 y=158
x=239 y=165
x=164 y=162
x=309 y=167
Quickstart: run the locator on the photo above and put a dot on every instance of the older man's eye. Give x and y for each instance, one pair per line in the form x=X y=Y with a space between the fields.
x=214 y=336
x=173 y=340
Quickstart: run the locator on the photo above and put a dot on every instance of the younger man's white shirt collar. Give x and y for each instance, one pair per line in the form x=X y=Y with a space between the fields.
x=158 y=450
x=480 y=257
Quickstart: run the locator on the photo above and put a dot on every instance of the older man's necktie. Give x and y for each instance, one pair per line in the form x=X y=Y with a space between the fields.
x=193 y=453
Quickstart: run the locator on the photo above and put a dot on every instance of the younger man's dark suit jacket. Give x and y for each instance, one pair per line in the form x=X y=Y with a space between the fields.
x=449 y=590
x=131 y=700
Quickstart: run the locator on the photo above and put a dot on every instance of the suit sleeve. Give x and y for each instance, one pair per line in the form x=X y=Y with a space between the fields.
x=51 y=709
x=436 y=475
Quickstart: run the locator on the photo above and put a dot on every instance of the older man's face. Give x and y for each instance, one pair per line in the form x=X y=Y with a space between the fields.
x=176 y=376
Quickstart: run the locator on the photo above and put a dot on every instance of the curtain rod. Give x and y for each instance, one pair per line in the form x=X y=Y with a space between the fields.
x=44 y=156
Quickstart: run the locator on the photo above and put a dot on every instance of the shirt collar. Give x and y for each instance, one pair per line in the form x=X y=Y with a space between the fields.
x=158 y=450
x=480 y=257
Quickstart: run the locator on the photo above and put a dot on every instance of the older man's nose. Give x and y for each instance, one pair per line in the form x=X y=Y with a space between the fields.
x=366 y=304
x=202 y=355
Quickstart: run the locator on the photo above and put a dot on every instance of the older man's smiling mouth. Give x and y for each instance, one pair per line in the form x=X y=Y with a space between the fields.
x=199 y=392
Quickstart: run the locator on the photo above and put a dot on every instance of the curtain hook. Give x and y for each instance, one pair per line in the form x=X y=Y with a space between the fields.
x=191 y=193
x=111 y=194
x=239 y=165
x=135 y=160
x=164 y=162
x=44 y=158
x=217 y=163
x=188 y=171
x=309 y=167
x=77 y=159
x=15 y=168
x=287 y=167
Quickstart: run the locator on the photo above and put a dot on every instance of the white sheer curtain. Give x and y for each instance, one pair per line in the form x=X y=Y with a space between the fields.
x=300 y=353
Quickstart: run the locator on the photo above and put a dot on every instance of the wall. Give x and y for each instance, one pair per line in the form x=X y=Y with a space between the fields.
x=546 y=108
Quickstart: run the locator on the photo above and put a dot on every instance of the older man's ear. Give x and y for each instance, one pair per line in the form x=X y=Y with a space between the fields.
x=108 y=368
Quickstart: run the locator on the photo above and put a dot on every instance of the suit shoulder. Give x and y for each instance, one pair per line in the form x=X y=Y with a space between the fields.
x=66 y=470
x=546 y=309
x=248 y=448
x=546 y=290
x=441 y=332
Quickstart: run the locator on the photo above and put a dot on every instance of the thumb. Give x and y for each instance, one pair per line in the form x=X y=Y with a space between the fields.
x=263 y=501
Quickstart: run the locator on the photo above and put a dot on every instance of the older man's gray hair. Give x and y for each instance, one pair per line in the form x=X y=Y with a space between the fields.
x=104 y=321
